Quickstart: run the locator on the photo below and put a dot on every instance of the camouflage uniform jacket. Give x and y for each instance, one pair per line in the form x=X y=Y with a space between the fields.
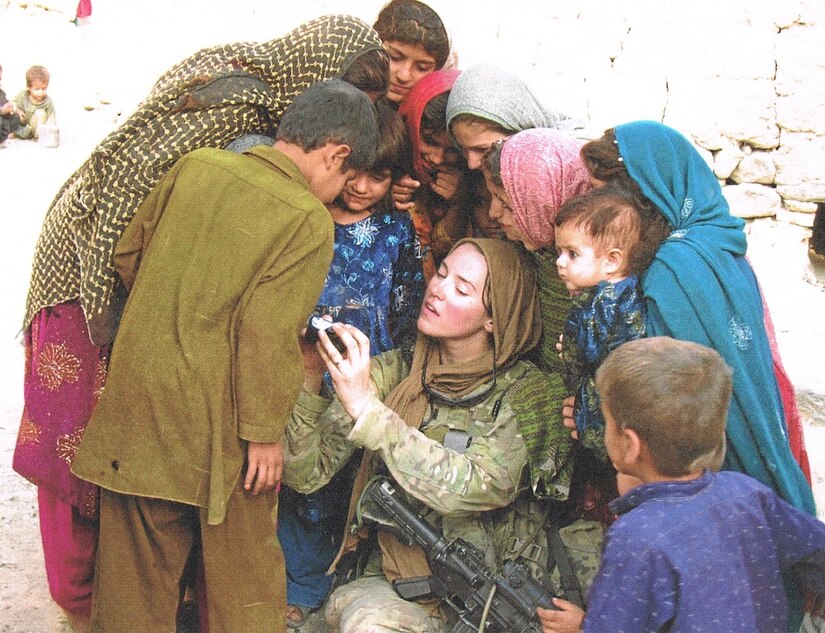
x=476 y=487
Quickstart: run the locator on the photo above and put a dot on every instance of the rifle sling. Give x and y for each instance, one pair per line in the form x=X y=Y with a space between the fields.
x=569 y=582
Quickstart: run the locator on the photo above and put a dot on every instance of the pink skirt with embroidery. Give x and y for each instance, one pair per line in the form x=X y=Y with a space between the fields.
x=65 y=373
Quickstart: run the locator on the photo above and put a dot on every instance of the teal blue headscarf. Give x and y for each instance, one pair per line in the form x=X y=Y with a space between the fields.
x=701 y=288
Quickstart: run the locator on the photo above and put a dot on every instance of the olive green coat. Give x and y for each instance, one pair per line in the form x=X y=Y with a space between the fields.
x=225 y=259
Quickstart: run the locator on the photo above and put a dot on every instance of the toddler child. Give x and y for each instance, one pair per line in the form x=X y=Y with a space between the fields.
x=692 y=549
x=35 y=107
x=375 y=282
x=601 y=255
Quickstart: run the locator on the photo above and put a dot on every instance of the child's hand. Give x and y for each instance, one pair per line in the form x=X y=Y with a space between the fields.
x=559 y=344
x=447 y=180
x=7 y=108
x=567 y=406
x=568 y=619
x=265 y=466
x=402 y=192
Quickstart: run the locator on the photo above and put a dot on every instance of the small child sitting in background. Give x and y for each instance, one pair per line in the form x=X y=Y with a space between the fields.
x=601 y=255
x=9 y=121
x=692 y=549
x=35 y=107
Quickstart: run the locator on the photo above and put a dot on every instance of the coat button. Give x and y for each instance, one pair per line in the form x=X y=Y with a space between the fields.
x=115 y=464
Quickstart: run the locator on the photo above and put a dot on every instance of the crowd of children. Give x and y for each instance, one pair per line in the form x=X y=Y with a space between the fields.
x=584 y=384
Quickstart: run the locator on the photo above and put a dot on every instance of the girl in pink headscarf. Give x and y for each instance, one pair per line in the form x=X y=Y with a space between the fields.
x=530 y=176
x=437 y=206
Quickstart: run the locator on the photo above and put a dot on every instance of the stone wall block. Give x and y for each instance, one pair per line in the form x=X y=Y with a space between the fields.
x=726 y=160
x=697 y=47
x=799 y=50
x=744 y=109
x=752 y=201
x=634 y=97
x=559 y=38
x=756 y=167
x=796 y=217
x=798 y=206
x=563 y=93
x=800 y=166
x=800 y=104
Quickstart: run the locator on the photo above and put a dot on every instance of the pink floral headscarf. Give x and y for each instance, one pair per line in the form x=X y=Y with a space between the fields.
x=541 y=169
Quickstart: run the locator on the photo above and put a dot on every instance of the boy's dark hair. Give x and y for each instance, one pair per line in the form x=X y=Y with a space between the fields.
x=674 y=395
x=370 y=72
x=434 y=115
x=333 y=111
x=393 y=143
x=37 y=73
x=611 y=219
x=413 y=22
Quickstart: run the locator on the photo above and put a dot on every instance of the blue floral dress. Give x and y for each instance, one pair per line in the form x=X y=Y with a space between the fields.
x=376 y=283
x=602 y=318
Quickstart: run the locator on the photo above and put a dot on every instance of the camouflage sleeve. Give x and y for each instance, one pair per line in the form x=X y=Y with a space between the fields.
x=315 y=440
x=487 y=475
x=315 y=443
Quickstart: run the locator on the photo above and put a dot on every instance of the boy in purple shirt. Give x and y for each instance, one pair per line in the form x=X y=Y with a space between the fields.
x=692 y=549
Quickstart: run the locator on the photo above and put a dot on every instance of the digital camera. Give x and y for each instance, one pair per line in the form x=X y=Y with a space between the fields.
x=316 y=324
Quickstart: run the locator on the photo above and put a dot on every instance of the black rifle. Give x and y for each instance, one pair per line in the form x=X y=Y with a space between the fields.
x=460 y=577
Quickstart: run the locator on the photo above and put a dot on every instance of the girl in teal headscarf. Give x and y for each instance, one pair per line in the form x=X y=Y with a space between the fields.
x=701 y=288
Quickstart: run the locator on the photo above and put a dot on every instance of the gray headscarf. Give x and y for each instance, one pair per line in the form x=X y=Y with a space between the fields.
x=497 y=95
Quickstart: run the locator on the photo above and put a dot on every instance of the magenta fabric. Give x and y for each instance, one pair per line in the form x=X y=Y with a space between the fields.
x=64 y=377
x=793 y=420
x=541 y=169
x=84 y=9
x=69 y=545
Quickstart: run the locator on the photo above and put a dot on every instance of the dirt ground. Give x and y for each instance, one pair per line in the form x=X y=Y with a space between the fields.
x=31 y=174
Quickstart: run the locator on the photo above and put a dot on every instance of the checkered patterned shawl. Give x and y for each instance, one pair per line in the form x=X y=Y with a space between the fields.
x=207 y=100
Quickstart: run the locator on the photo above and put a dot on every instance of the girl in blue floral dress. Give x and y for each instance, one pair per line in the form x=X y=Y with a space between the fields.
x=603 y=250
x=375 y=282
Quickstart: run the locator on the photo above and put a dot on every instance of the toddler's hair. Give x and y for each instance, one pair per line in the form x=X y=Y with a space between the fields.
x=609 y=217
x=674 y=395
x=413 y=22
x=601 y=157
x=393 y=143
x=37 y=73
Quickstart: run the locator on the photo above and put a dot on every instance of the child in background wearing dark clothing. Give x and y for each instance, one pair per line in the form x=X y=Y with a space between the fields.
x=601 y=255
x=375 y=282
x=35 y=107
x=9 y=121
x=692 y=549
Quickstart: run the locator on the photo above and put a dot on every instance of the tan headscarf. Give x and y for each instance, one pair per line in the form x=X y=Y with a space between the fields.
x=516 y=330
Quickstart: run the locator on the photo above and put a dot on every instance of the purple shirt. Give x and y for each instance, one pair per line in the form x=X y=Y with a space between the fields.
x=703 y=555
